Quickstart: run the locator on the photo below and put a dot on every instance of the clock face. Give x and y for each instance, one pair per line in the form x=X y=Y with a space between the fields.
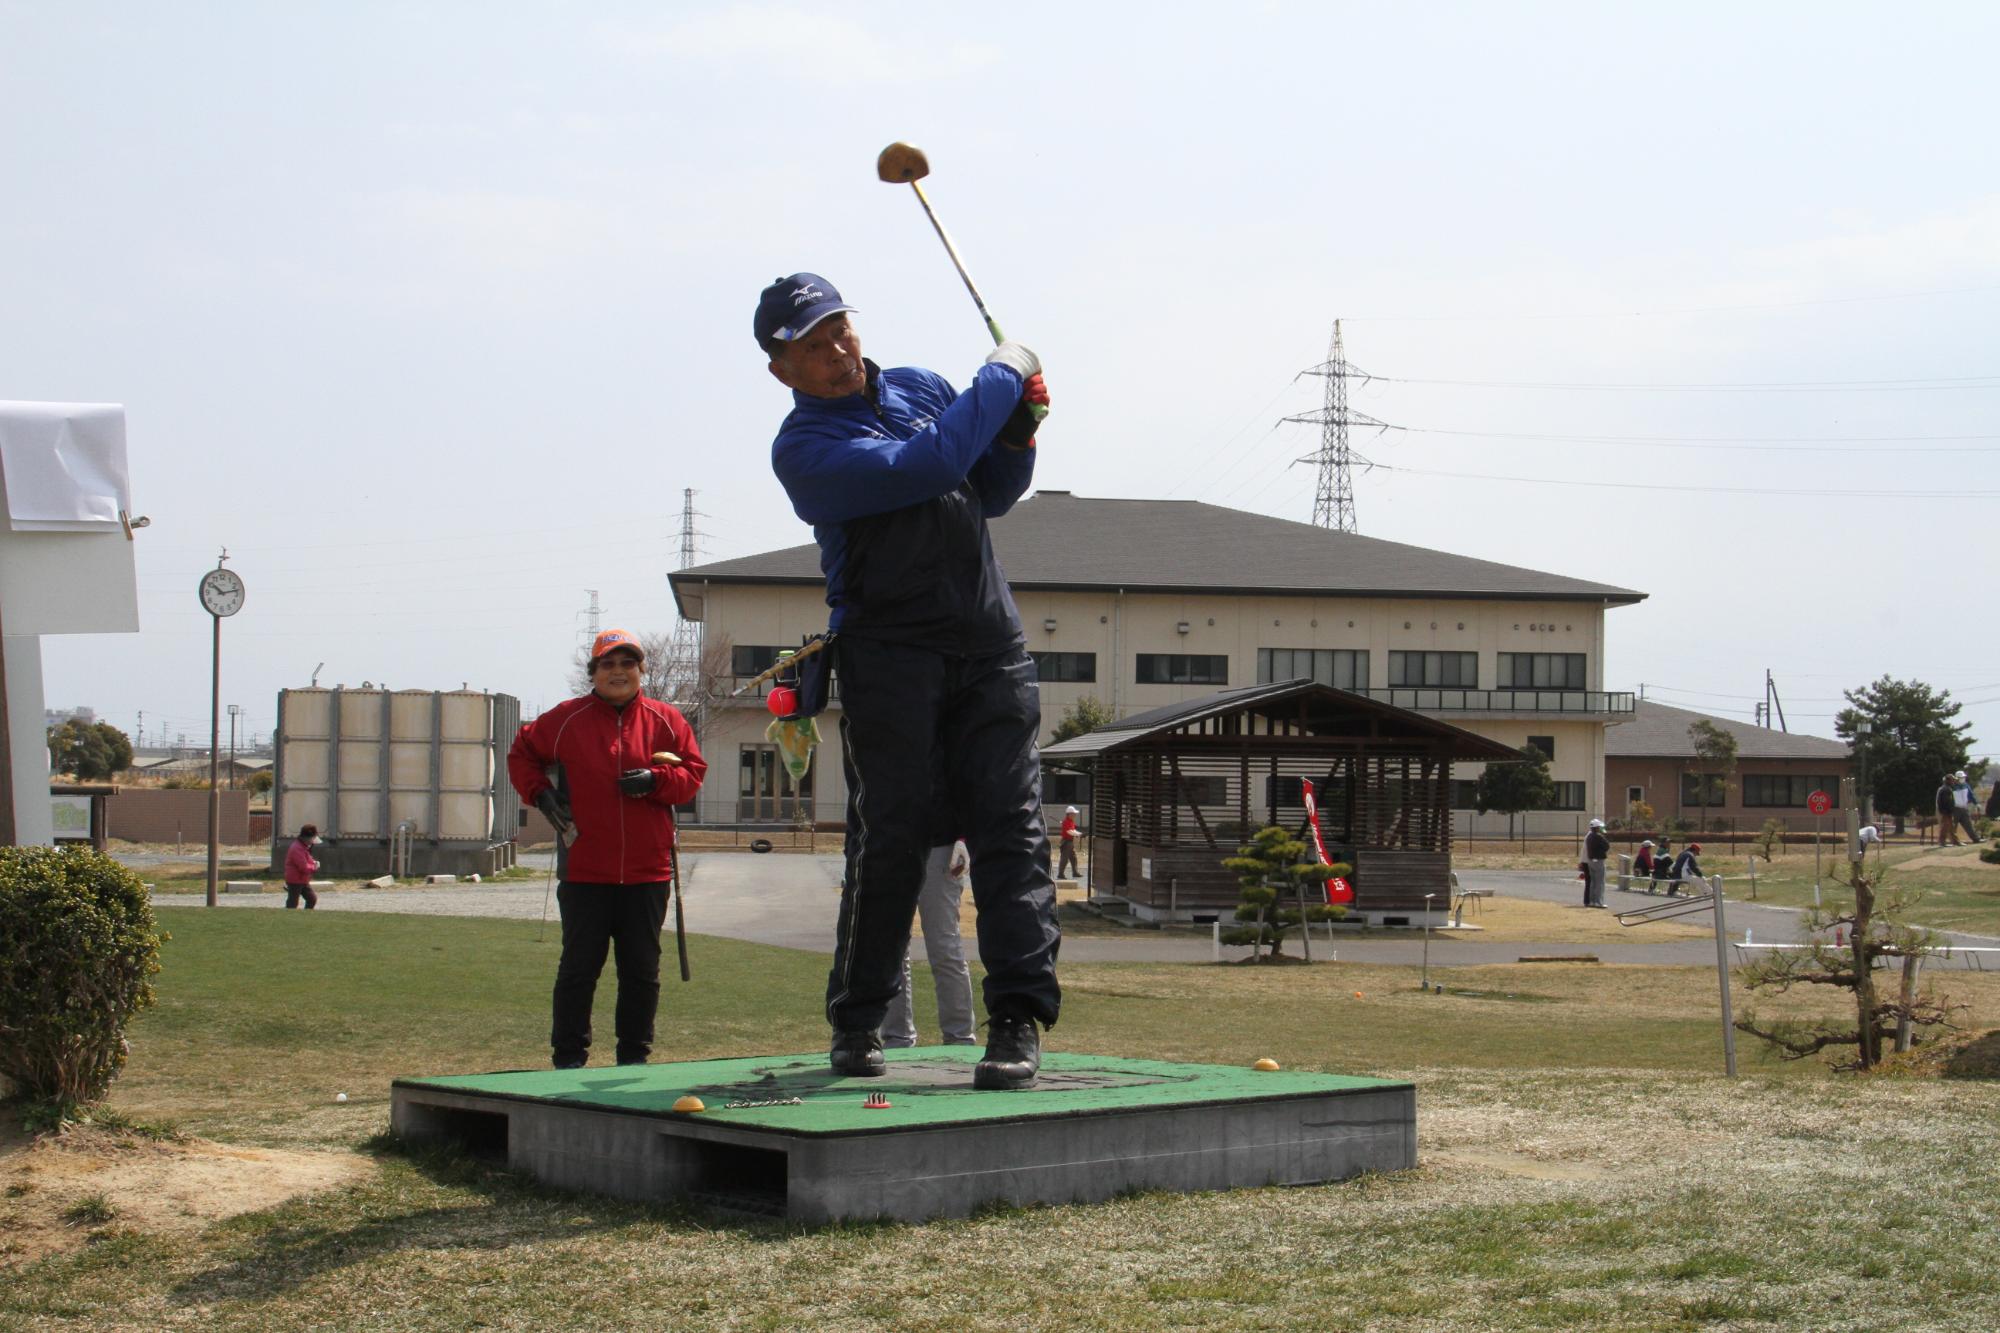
x=222 y=592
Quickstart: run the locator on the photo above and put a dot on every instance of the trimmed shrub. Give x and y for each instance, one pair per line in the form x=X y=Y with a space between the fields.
x=78 y=949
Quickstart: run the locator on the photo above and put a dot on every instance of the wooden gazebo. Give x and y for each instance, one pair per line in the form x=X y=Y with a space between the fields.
x=1176 y=789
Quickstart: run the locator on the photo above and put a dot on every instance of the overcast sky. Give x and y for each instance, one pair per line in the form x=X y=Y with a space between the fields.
x=429 y=312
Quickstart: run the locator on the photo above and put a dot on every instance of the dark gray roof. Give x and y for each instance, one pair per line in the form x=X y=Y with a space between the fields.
x=1055 y=540
x=1331 y=702
x=1657 y=731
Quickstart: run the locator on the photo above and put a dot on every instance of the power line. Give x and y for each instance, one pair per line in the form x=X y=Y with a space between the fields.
x=1925 y=383
x=1811 y=444
x=1679 y=310
x=1764 y=491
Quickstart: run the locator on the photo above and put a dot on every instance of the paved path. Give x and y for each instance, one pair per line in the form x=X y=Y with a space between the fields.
x=791 y=900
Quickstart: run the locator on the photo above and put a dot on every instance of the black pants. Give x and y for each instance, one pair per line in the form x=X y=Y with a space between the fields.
x=1067 y=867
x=624 y=919
x=294 y=892
x=913 y=719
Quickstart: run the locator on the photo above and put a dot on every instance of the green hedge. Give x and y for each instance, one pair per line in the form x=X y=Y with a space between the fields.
x=78 y=949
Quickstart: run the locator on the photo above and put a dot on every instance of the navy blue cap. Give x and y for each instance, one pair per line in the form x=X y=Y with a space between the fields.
x=790 y=308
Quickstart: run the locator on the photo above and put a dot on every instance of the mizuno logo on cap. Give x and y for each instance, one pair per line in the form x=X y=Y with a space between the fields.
x=805 y=294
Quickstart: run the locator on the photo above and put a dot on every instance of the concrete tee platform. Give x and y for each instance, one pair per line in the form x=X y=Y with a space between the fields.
x=783 y=1136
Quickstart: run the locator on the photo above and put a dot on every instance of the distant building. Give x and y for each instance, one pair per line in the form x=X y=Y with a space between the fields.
x=1148 y=603
x=55 y=717
x=1649 y=757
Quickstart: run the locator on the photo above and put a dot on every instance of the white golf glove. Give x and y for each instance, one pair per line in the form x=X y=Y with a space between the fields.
x=1016 y=358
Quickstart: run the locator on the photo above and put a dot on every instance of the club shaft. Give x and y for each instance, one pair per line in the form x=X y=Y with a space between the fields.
x=992 y=325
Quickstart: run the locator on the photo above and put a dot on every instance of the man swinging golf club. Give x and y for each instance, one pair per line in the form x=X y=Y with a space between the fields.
x=898 y=473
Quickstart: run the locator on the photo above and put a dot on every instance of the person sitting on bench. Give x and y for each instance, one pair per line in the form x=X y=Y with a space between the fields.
x=1687 y=868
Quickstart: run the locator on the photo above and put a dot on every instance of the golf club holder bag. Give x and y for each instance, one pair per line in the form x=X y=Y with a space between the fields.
x=810 y=677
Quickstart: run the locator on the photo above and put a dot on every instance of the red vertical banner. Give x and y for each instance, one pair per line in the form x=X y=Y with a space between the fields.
x=1338 y=890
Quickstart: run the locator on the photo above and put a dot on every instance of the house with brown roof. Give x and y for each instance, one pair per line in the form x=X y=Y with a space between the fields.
x=1649 y=756
x=1147 y=603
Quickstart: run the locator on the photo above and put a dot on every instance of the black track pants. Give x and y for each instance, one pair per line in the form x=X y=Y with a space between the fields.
x=911 y=719
x=625 y=920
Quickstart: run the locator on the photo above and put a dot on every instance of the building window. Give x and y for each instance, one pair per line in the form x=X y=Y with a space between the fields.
x=1541 y=671
x=1182 y=669
x=1454 y=670
x=1059 y=788
x=1634 y=795
x=747 y=659
x=1546 y=744
x=1344 y=668
x=1464 y=794
x=1569 y=796
x=1784 y=790
x=1716 y=789
x=1066 y=668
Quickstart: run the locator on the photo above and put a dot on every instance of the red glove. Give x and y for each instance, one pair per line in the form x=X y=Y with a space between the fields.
x=1035 y=391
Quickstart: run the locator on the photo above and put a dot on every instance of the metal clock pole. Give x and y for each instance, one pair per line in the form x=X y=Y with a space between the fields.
x=221 y=595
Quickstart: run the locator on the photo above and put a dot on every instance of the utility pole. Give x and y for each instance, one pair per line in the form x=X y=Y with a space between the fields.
x=1771 y=700
x=141 y=742
x=234 y=711
x=1333 y=496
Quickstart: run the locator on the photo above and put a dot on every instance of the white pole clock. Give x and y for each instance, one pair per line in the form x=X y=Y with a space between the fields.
x=221 y=595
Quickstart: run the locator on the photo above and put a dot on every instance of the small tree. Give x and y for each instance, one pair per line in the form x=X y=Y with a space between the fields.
x=1274 y=872
x=260 y=782
x=1842 y=953
x=1640 y=815
x=1714 y=758
x=78 y=949
x=1771 y=838
x=1513 y=787
x=92 y=751
x=1080 y=718
x=1912 y=740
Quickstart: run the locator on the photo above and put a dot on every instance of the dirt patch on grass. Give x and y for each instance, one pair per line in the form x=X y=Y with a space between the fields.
x=63 y=1192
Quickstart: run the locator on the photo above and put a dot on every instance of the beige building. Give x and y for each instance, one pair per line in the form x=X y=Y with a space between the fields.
x=1143 y=603
x=1651 y=758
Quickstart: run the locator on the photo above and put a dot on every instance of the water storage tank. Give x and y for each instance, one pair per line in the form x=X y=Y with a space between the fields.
x=382 y=769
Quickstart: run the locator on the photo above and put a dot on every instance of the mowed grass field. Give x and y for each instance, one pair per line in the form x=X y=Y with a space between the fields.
x=1583 y=1163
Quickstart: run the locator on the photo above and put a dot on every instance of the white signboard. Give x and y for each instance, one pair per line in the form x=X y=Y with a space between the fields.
x=1145 y=867
x=66 y=562
x=65 y=466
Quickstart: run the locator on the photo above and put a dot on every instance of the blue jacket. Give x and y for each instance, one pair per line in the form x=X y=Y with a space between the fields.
x=898 y=483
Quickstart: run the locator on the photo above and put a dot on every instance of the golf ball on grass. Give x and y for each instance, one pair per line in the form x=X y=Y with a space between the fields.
x=340 y=1096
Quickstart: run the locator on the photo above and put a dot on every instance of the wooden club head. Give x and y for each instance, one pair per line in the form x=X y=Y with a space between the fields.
x=901 y=163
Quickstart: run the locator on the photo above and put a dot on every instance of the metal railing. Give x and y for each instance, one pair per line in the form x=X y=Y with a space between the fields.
x=1434 y=700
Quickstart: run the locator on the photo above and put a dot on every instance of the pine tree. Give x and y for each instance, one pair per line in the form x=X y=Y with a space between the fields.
x=1274 y=872
x=1912 y=743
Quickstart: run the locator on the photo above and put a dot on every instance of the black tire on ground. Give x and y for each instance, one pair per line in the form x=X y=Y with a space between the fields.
x=760 y=844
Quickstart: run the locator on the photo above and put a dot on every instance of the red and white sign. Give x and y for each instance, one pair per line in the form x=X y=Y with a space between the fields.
x=1338 y=890
x=1819 y=803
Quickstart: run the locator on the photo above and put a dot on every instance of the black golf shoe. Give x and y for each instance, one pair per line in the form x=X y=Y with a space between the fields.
x=1013 y=1056
x=856 y=1054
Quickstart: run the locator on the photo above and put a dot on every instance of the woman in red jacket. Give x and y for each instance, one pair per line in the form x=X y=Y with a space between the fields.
x=300 y=866
x=609 y=766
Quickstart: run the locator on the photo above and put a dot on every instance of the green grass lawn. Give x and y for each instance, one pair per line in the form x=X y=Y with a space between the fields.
x=1583 y=1165
x=1951 y=890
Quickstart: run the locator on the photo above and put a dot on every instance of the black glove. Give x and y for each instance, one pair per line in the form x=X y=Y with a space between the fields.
x=555 y=805
x=1018 y=431
x=637 y=781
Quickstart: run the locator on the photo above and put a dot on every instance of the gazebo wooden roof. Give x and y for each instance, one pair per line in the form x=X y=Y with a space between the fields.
x=1176 y=789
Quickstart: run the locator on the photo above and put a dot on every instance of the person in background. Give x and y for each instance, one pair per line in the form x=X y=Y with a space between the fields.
x=612 y=765
x=1946 y=804
x=947 y=875
x=1596 y=847
x=1642 y=864
x=1993 y=802
x=1067 y=868
x=1962 y=805
x=300 y=866
x=1687 y=868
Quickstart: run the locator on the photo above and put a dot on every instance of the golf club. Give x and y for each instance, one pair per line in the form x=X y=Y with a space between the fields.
x=905 y=164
